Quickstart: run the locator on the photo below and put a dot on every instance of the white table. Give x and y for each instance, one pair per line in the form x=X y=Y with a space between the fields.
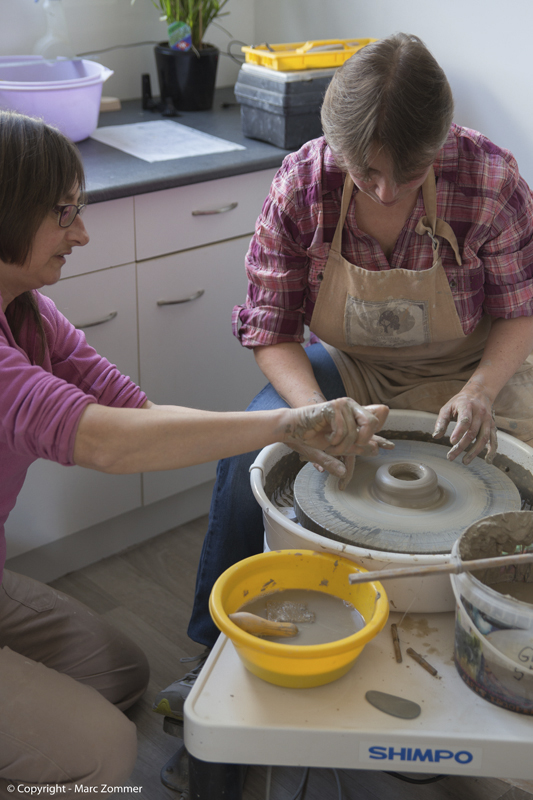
x=231 y=715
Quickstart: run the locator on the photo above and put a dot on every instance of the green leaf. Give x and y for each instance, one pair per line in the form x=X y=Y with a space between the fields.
x=198 y=14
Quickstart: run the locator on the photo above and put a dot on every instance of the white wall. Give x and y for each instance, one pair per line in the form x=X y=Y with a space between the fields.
x=96 y=24
x=484 y=46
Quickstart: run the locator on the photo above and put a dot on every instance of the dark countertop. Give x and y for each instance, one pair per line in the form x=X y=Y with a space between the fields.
x=112 y=173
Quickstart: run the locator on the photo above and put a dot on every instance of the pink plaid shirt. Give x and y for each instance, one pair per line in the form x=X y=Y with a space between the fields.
x=479 y=193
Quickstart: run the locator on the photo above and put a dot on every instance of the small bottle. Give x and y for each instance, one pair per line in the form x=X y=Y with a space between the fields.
x=56 y=41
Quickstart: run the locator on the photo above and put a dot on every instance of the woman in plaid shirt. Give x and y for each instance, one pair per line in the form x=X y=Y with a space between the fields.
x=405 y=244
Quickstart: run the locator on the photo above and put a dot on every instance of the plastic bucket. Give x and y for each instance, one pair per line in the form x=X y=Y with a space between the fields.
x=65 y=93
x=296 y=666
x=498 y=535
x=503 y=623
x=494 y=631
x=488 y=671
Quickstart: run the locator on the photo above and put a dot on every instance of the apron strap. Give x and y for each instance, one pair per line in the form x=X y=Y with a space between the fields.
x=430 y=223
x=433 y=225
x=336 y=244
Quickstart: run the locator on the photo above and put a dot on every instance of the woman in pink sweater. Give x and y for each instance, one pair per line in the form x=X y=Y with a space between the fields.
x=65 y=674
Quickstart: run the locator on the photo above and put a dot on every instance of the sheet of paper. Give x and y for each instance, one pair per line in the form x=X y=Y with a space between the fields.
x=162 y=140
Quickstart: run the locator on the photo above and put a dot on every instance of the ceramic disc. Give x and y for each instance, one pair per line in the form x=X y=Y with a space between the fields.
x=357 y=517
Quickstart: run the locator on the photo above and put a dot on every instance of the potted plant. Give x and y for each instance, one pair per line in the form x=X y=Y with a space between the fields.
x=186 y=64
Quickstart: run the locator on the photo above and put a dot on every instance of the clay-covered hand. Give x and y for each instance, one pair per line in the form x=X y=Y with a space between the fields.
x=331 y=434
x=475 y=428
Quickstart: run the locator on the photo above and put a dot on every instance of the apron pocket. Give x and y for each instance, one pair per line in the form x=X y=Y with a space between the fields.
x=388 y=323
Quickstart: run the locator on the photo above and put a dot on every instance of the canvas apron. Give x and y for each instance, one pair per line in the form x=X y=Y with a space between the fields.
x=396 y=337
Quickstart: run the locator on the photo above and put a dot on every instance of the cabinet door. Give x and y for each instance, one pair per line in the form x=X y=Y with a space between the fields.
x=188 y=354
x=103 y=304
x=55 y=500
x=190 y=216
x=112 y=238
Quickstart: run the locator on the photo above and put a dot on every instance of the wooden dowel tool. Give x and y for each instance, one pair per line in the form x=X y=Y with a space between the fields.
x=438 y=569
x=396 y=643
x=422 y=661
x=258 y=626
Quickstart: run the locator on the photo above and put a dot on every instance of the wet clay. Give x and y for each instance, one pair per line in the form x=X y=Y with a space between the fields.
x=284 y=610
x=499 y=535
x=409 y=500
x=519 y=590
x=334 y=618
x=522 y=478
x=408 y=484
x=279 y=481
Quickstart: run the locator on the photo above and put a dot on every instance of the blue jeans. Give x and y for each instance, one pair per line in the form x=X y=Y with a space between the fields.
x=235 y=529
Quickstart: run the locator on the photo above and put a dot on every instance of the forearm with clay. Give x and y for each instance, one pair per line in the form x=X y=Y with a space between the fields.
x=152 y=438
x=289 y=370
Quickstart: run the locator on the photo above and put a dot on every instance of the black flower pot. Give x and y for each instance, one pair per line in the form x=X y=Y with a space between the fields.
x=188 y=77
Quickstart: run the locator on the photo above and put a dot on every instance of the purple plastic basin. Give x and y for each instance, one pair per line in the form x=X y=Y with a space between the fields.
x=65 y=92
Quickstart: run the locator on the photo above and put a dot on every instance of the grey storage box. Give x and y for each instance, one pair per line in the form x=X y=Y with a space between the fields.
x=282 y=108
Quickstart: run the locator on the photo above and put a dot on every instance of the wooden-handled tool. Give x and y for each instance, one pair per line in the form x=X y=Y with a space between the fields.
x=437 y=569
x=251 y=623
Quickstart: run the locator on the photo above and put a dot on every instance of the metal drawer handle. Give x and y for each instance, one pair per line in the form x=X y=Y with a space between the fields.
x=215 y=210
x=109 y=317
x=194 y=296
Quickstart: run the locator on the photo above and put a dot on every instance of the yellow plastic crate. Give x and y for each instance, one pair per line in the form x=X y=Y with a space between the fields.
x=320 y=54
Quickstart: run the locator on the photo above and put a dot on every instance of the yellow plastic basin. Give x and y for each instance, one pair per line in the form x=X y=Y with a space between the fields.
x=297 y=666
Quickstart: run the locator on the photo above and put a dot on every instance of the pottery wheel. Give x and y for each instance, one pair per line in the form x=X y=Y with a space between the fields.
x=369 y=513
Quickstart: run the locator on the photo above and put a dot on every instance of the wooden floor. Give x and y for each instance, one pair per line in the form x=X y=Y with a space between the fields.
x=147 y=592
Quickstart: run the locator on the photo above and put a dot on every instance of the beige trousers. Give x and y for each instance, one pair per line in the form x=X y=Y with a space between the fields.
x=66 y=675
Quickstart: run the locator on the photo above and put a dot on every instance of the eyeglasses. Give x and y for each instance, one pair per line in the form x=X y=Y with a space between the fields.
x=68 y=213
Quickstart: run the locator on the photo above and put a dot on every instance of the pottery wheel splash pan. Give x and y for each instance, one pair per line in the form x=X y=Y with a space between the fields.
x=408 y=500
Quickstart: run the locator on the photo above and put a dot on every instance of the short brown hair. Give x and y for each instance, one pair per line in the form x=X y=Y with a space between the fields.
x=391 y=94
x=39 y=167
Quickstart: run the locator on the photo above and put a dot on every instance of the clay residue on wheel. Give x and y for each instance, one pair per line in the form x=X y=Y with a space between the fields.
x=522 y=478
x=279 y=482
x=365 y=517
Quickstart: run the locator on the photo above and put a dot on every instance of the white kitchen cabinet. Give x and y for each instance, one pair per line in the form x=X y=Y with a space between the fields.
x=111 y=230
x=188 y=354
x=104 y=305
x=191 y=216
x=56 y=501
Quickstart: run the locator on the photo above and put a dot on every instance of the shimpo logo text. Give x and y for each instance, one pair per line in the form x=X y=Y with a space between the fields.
x=420 y=755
